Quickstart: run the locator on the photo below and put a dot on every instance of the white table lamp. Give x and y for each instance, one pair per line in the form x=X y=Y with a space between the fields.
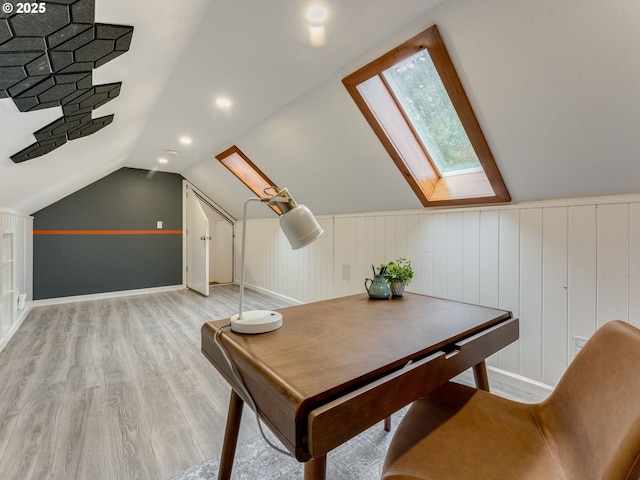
x=301 y=228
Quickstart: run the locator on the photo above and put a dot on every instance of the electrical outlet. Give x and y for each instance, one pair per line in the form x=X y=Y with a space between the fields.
x=578 y=343
x=159 y=224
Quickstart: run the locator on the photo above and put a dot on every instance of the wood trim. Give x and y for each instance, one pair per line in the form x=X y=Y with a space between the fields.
x=235 y=150
x=251 y=169
x=444 y=65
x=431 y=40
x=107 y=232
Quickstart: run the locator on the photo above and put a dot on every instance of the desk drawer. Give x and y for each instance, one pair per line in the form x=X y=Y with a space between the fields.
x=336 y=422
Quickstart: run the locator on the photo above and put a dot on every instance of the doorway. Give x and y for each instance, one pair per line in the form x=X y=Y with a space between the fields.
x=209 y=245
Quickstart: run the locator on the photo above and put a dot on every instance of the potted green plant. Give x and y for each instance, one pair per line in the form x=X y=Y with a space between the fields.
x=398 y=275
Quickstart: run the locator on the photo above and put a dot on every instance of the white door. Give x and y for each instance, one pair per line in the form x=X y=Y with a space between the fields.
x=198 y=238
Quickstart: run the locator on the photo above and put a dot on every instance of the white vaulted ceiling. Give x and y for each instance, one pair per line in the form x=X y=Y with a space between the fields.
x=555 y=86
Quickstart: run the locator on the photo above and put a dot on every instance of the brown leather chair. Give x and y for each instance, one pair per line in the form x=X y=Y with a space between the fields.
x=588 y=428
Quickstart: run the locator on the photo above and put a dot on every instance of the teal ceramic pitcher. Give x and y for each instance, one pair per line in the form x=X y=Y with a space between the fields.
x=377 y=287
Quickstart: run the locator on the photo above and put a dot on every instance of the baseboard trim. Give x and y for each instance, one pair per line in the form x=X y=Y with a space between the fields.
x=520 y=382
x=501 y=379
x=271 y=293
x=14 y=328
x=101 y=296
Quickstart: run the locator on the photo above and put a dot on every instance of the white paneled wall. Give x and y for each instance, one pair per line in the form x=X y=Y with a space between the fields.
x=301 y=275
x=19 y=229
x=563 y=268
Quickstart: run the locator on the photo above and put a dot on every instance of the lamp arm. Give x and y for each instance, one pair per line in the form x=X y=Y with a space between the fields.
x=283 y=200
x=242 y=258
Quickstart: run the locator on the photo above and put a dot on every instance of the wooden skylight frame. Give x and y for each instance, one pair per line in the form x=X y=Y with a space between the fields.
x=377 y=102
x=249 y=174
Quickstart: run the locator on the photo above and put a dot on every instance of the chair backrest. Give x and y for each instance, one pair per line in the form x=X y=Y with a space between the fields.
x=592 y=418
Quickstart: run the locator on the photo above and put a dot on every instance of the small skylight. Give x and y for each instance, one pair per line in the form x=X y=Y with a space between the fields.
x=248 y=173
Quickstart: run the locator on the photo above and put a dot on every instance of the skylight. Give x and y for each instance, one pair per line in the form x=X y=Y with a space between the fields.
x=414 y=101
x=424 y=101
x=248 y=173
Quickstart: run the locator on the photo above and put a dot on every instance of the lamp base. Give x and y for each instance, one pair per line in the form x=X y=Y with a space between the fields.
x=256 y=321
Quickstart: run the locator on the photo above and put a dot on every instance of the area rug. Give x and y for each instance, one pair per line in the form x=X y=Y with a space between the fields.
x=360 y=458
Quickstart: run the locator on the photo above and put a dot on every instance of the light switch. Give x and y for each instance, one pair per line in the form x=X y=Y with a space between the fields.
x=159 y=224
x=346 y=272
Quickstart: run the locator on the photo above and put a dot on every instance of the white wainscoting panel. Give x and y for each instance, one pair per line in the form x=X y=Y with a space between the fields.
x=531 y=292
x=489 y=257
x=564 y=268
x=20 y=227
x=582 y=275
x=634 y=264
x=470 y=257
x=509 y=281
x=554 y=294
x=612 y=262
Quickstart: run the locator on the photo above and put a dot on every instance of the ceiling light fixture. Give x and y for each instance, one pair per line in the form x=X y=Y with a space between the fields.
x=317 y=13
x=163 y=160
x=186 y=140
x=223 y=102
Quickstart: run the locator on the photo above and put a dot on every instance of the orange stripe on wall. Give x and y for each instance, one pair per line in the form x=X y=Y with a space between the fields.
x=107 y=232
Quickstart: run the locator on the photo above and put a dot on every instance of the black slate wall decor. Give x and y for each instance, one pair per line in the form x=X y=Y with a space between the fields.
x=48 y=51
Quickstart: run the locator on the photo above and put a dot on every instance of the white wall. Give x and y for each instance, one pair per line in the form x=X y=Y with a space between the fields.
x=564 y=268
x=21 y=228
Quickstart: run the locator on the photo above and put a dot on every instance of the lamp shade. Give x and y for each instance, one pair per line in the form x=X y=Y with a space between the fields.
x=300 y=226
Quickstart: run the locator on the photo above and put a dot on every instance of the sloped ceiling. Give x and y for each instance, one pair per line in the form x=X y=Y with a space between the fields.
x=555 y=85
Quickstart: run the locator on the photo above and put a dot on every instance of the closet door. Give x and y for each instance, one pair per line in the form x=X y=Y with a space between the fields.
x=198 y=240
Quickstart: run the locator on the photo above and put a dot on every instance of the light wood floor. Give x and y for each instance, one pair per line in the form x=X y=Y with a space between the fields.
x=118 y=389
x=115 y=389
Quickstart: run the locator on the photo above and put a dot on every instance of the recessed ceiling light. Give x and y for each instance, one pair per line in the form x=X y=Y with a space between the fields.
x=163 y=160
x=317 y=13
x=186 y=140
x=223 y=102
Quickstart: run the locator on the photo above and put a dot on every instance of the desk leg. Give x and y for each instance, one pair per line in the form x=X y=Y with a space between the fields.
x=316 y=468
x=480 y=376
x=230 y=436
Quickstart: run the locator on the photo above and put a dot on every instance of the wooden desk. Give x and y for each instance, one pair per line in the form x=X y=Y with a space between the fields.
x=337 y=367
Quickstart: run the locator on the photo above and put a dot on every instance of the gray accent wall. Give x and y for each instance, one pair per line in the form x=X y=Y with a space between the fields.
x=104 y=238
